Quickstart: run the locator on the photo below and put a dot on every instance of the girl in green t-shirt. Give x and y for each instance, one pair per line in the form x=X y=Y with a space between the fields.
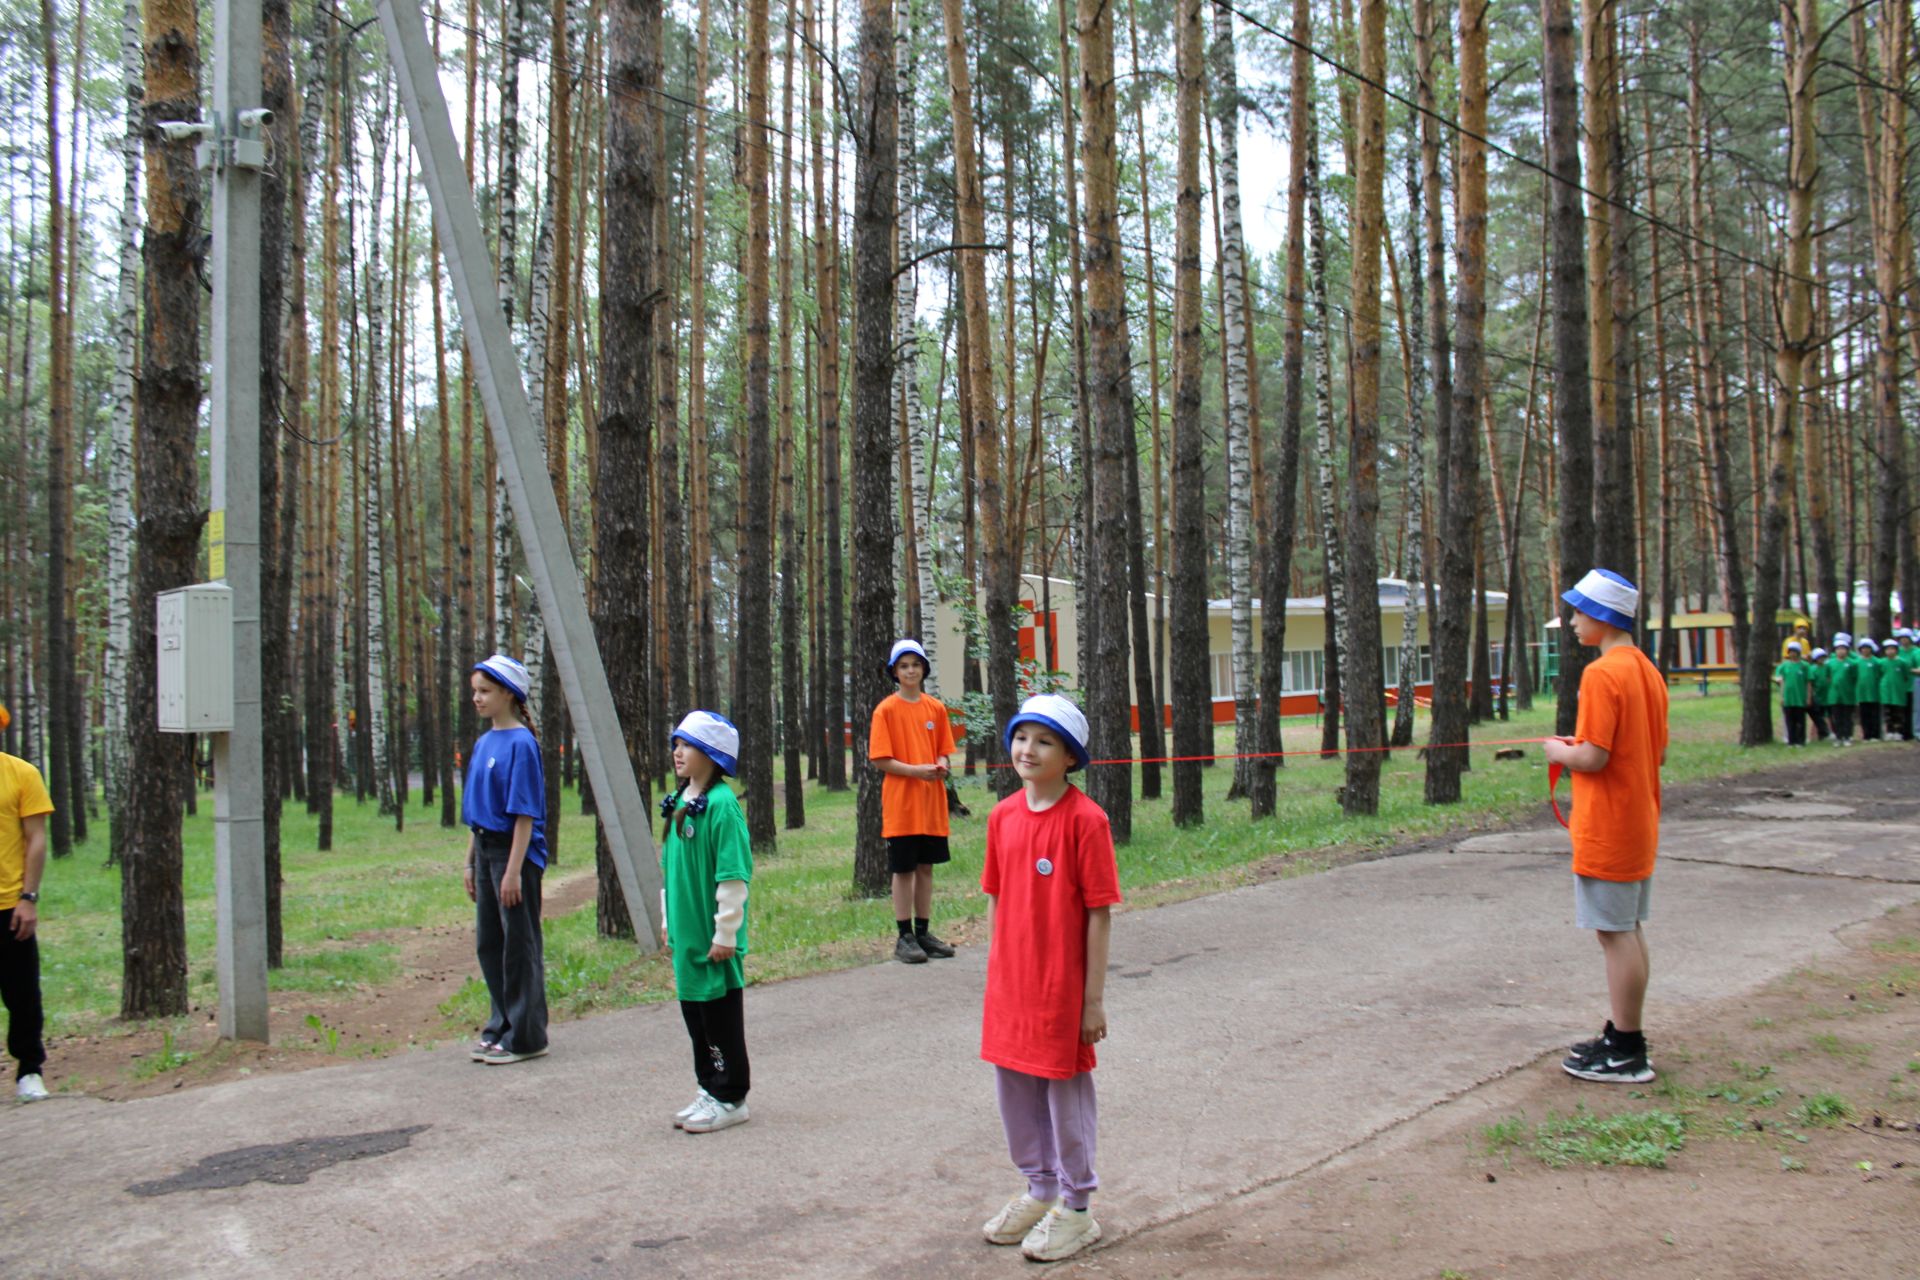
x=707 y=862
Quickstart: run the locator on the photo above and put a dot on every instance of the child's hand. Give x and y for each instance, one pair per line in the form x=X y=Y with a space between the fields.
x=718 y=954
x=467 y=877
x=1555 y=749
x=932 y=772
x=663 y=937
x=510 y=888
x=1093 y=1022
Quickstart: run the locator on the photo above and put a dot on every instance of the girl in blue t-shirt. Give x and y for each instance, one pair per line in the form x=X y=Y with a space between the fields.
x=505 y=807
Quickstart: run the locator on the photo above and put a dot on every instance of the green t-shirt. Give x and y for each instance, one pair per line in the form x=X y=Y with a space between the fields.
x=1896 y=681
x=1820 y=676
x=1866 y=679
x=1792 y=675
x=719 y=850
x=1840 y=682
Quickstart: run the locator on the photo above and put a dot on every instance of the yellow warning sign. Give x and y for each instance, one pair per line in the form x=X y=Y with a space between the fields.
x=217 y=544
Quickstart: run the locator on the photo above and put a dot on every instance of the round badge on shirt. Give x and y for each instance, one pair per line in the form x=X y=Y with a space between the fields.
x=929 y=726
x=1044 y=866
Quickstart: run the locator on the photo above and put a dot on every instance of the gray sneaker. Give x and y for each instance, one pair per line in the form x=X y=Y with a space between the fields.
x=908 y=950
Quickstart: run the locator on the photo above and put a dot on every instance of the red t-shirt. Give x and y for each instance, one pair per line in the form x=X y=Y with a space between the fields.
x=913 y=733
x=1046 y=870
x=1616 y=810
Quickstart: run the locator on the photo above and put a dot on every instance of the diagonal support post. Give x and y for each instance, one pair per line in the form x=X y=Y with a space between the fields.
x=536 y=515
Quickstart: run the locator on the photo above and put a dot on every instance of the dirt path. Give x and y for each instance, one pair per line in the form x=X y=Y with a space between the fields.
x=1800 y=1105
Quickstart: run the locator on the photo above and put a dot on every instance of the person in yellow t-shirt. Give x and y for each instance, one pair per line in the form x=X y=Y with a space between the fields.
x=24 y=806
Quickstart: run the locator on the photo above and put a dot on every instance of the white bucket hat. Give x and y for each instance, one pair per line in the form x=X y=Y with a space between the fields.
x=714 y=735
x=1605 y=595
x=1058 y=714
x=1843 y=638
x=508 y=673
x=904 y=647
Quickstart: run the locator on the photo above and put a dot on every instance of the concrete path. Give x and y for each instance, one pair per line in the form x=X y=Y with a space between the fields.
x=1255 y=1034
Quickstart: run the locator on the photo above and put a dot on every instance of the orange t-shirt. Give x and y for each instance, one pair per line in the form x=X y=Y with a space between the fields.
x=1616 y=811
x=912 y=733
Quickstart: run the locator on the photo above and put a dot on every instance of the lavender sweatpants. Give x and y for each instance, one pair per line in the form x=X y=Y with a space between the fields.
x=1051 y=1127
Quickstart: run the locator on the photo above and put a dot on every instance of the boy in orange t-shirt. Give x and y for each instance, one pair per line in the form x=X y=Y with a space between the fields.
x=1618 y=747
x=911 y=742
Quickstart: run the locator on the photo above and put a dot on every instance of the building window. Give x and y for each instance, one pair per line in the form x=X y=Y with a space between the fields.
x=1223 y=686
x=1304 y=670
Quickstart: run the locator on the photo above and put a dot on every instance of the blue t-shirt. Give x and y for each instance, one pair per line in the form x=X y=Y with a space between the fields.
x=505 y=780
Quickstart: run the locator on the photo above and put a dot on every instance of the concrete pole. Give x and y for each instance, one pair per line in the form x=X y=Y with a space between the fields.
x=536 y=515
x=239 y=850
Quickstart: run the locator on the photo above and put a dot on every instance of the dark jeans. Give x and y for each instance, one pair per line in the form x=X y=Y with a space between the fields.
x=1820 y=714
x=20 y=992
x=718 y=1029
x=511 y=951
x=1899 y=719
x=1842 y=721
x=1796 y=726
x=1869 y=720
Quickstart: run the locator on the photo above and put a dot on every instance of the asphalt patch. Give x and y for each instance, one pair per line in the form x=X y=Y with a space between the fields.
x=286 y=1163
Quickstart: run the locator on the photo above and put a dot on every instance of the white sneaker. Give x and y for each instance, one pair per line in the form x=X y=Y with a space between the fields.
x=715 y=1115
x=687 y=1112
x=31 y=1088
x=1062 y=1233
x=1015 y=1219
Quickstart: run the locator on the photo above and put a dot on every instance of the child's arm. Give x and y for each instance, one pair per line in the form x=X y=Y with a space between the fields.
x=730 y=909
x=1581 y=757
x=473 y=851
x=924 y=772
x=1093 y=1010
x=510 y=879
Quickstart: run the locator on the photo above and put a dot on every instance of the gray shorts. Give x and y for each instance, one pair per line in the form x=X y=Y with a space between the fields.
x=1611 y=906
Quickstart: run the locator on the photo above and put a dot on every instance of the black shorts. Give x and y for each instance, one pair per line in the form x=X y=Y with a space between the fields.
x=906 y=854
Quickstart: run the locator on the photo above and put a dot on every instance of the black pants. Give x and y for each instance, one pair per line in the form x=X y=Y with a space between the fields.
x=1820 y=713
x=1869 y=720
x=1842 y=721
x=20 y=992
x=718 y=1029
x=510 y=948
x=1796 y=726
x=1899 y=717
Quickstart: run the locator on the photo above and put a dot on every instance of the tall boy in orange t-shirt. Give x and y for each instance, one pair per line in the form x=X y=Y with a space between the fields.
x=1619 y=744
x=912 y=743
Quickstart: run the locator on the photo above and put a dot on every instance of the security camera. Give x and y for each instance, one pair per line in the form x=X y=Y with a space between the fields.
x=184 y=130
x=256 y=118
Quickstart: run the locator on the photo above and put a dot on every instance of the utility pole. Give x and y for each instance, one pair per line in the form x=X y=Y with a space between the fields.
x=234 y=150
x=536 y=514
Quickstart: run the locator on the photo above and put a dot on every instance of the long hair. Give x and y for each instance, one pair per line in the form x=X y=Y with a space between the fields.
x=519 y=703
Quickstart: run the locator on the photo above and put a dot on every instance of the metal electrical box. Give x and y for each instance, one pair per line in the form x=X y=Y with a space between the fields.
x=194 y=629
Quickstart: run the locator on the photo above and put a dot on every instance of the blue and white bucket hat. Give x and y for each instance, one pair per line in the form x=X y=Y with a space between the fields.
x=903 y=647
x=713 y=734
x=1868 y=645
x=507 y=673
x=1793 y=646
x=1058 y=714
x=1843 y=640
x=1606 y=596
x=1818 y=653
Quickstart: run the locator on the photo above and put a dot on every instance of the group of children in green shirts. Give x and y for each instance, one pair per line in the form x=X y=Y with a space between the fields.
x=1866 y=684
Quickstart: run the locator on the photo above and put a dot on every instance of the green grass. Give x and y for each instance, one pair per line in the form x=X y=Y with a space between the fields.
x=1641 y=1138
x=348 y=911
x=1823 y=1111
x=1834 y=1046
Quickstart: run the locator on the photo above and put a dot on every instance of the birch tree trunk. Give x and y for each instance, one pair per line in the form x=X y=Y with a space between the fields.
x=120 y=524
x=1335 y=685
x=1282 y=492
x=506 y=201
x=906 y=372
x=1233 y=269
x=380 y=779
x=1150 y=682
x=1416 y=478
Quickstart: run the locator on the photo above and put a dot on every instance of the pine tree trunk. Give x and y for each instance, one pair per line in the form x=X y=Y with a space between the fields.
x=877 y=153
x=276 y=62
x=1888 y=149
x=68 y=799
x=1612 y=405
x=153 y=926
x=1573 y=416
x=1191 y=697
x=794 y=782
x=1110 y=387
x=827 y=284
x=1801 y=33
x=620 y=525
x=984 y=434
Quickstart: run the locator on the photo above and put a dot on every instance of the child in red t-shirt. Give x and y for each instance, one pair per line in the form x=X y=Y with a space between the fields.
x=911 y=742
x=1051 y=880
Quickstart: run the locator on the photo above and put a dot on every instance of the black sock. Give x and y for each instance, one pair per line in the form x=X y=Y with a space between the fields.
x=1628 y=1041
x=904 y=926
x=920 y=924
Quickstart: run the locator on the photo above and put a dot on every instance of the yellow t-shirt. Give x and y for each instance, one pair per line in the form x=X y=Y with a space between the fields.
x=22 y=795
